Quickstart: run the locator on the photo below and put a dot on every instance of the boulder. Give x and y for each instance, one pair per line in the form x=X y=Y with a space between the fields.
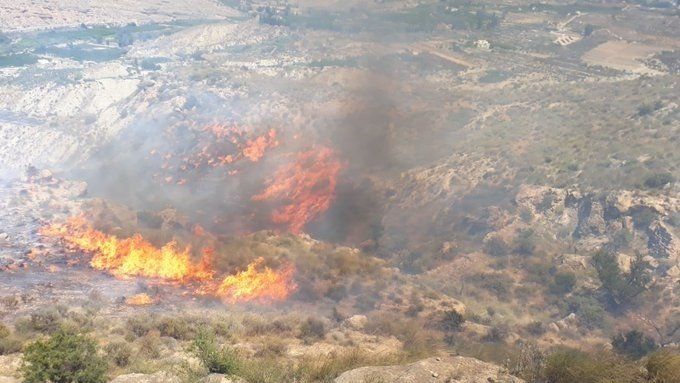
x=220 y=378
x=159 y=377
x=432 y=370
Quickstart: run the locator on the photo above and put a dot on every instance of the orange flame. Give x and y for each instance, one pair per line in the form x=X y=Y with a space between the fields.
x=258 y=283
x=128 y=257
x=306 y=187
x=137 y=257
x=139 y=300
x=254 y=149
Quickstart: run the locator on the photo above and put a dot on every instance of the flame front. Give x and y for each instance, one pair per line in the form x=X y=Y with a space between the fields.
x=306 y=187
x=136 y=256
x=259 y=283
x=129 y=257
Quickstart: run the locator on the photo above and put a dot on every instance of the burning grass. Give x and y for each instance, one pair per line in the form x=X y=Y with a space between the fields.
x=136 y=257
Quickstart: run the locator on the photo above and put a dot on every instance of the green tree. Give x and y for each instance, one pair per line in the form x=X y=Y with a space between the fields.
x=622 y=288
x=65 y=357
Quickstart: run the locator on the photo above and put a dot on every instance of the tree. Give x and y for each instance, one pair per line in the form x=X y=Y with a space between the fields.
x=622 y=288
x=65 y=357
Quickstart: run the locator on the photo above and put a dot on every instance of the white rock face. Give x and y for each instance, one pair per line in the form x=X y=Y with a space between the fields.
x=21 y=15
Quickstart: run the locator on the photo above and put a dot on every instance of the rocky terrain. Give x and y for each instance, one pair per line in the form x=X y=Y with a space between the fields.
x=430 y=191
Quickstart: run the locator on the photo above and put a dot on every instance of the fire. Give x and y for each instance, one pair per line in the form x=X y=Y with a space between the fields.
x=129 y=257
x=139 y=300
x=258 y=283
x=305 y=187
x=135 y=256
x=254 y=149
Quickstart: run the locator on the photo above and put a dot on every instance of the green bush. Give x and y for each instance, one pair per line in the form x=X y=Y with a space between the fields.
x=622 y=288
x=634 y=344
x=119 y=353
x=219 y=360
x=65 y=357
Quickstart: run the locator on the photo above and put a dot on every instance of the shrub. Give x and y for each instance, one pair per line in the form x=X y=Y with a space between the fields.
x=9 y=345
x=659 y=180
x=571 y=366
x=219 y=360
x=4 y=331
x=119 y=353
x=47 y=321
x=496 y=246
x=452 y=321
x=563 y=282
x=140 y=325
x=150 y=344
x=525 y=242
x=590 y=312
x=328 y=367
x=664 y=367
x=497 y=283
x=536 y=328
x=175 y=328
x=64 y=357
x=497 y=333
x=312 y=329
x=634 y=344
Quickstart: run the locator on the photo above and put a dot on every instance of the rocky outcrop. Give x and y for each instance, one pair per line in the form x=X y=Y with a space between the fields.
x=661 y=242
x=433 y=370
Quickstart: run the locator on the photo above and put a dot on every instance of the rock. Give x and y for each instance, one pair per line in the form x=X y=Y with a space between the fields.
x=9 y=365
x=570 y=322
x=4 y=236
x=219 y=378
x=356 y=322
x=444 y=369
x=78 y=189
x=159 y=377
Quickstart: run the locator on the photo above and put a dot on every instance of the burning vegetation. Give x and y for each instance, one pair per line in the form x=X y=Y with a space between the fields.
x=137 y=257
x=303 y=188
